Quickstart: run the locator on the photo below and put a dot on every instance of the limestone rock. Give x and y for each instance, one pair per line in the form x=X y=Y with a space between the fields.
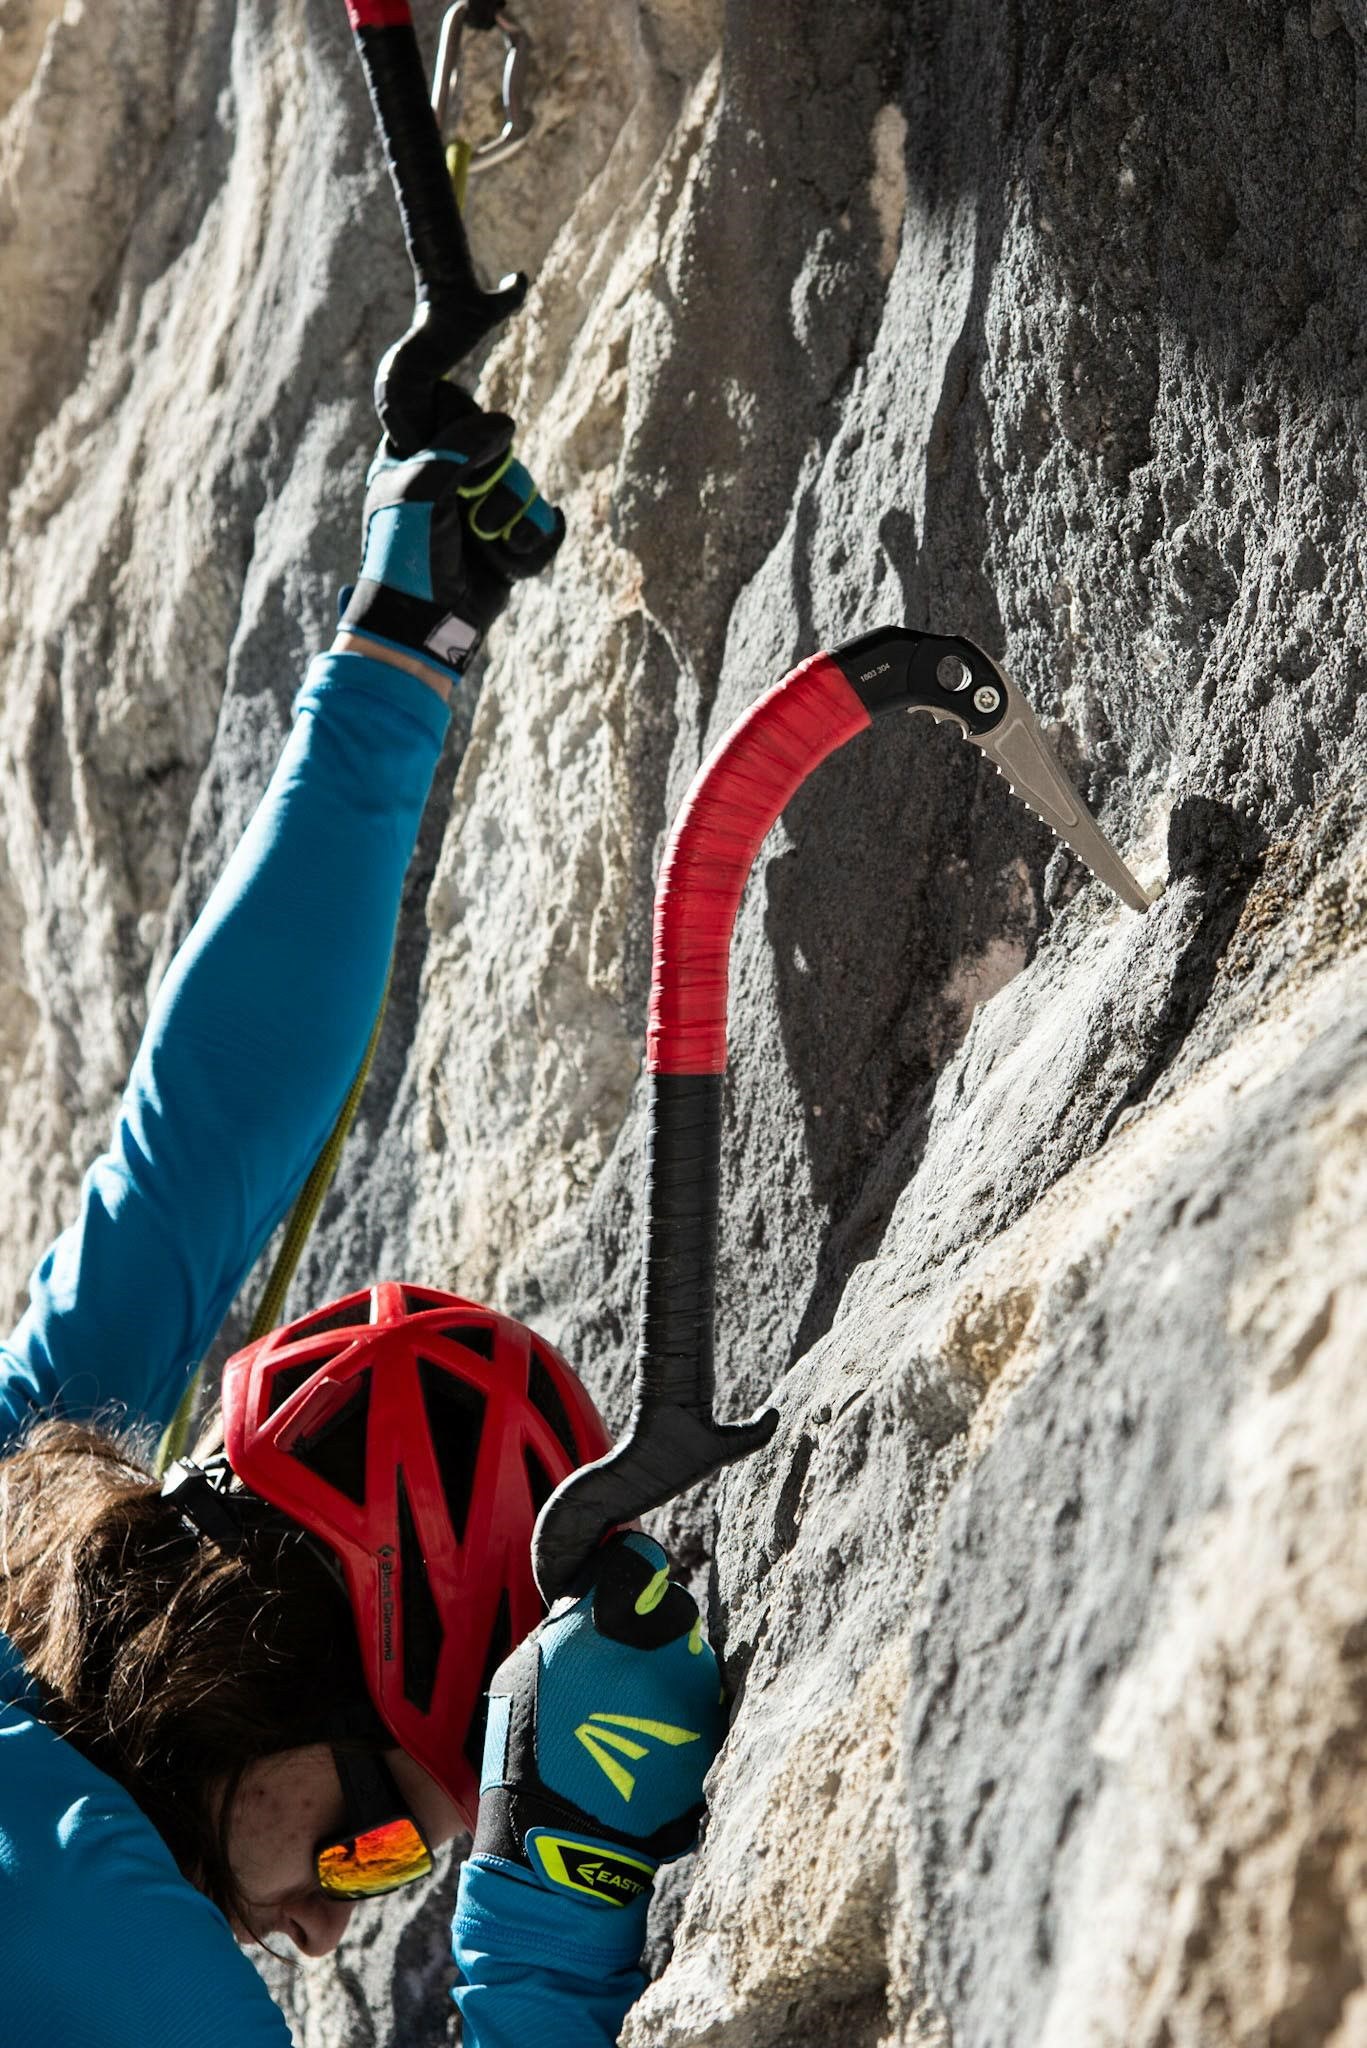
x=1043 y=1222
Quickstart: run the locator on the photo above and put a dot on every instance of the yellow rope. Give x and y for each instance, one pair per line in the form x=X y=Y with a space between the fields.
x=302 y=1218
x=458 y=155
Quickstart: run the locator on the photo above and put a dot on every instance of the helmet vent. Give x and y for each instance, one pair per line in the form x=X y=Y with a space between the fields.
x=290 y=1379
x=422 y=1630
x=342 y=1316
x=474 y=1336
x=455 y=1423
x=545 y=1398
x=538 y=1479
x=500 y=1642
x=336 y=1449
x=416 y=1300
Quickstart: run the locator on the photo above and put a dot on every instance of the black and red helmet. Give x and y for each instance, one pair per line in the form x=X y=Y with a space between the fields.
x=416 y=1434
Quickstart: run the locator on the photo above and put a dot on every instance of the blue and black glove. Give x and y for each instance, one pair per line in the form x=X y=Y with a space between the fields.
x=602 y=1727
x=446 y=532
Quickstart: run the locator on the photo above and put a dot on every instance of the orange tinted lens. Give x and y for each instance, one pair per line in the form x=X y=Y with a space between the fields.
x=378 y=1861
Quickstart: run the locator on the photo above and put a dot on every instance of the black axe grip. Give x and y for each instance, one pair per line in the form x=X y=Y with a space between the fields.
x=453 y=312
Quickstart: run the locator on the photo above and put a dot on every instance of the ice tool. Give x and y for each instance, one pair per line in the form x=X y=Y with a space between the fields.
x=674 y=1439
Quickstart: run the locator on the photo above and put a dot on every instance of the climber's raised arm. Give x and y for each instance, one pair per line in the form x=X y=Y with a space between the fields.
x=262 y=1019
x=198 y=1743
x=260 y=1683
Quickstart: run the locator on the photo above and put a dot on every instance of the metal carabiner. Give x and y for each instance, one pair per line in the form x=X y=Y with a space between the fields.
x=446 y=91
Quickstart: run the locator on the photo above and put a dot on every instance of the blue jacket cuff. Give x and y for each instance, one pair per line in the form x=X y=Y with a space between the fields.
x=503 y=1911
x=362 y=676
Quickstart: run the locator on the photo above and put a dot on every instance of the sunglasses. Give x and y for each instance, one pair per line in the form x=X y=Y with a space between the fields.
x=385 y=1847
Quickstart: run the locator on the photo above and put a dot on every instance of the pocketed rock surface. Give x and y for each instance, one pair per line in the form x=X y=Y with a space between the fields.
x=1043 y=1222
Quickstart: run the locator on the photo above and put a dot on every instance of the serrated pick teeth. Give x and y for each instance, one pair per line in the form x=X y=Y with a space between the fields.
x=1020 y=793
x=1062 y=809
x=1020 y=754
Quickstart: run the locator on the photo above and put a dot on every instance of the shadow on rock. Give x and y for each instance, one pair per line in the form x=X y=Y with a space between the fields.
x=1219 y=850
x=914 y=890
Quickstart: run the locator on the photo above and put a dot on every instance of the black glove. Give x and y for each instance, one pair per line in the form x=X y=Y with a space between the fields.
x=446 y=531
x=602 y=1727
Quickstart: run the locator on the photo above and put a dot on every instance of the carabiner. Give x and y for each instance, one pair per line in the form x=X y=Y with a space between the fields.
x=446 y=93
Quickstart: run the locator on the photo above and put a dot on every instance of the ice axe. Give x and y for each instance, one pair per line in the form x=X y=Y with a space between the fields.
x=674 y=1439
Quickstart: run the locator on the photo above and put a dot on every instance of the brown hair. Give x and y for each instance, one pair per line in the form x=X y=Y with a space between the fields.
x=169 y=1663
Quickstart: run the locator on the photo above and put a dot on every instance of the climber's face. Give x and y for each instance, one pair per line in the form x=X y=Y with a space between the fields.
x=285 y=1806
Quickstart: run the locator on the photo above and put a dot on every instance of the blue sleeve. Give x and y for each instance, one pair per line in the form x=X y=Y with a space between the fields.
x=253 y=1040
x=535 y=1968
x=104 y=1941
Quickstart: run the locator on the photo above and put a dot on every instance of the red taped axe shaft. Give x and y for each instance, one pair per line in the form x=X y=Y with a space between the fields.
x=735 y=798
x=379 y=14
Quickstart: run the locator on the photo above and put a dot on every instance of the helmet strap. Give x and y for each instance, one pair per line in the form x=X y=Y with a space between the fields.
x=202 y=1497
x=213 y=1503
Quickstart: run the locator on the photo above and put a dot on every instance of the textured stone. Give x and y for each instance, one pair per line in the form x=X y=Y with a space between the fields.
x=1045 y=1607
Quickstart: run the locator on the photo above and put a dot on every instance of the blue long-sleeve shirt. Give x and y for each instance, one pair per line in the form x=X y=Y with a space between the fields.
x=251 y=1045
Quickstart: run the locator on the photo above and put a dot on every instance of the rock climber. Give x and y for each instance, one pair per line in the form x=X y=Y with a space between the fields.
x=230 y=1712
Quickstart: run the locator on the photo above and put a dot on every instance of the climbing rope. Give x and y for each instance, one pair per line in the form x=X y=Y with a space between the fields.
x=304 y=1214
x=310 y=1199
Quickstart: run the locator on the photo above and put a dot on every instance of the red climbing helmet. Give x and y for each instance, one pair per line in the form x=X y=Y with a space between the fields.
x=416 y=1434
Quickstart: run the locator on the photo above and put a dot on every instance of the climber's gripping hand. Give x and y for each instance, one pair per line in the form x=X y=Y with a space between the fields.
x=601 y=1730
x=446 y=531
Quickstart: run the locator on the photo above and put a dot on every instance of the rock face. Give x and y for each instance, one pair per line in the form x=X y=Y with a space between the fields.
x=1047 y=1607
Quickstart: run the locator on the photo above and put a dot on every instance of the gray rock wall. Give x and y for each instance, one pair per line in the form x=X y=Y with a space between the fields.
x=1046 y=1608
